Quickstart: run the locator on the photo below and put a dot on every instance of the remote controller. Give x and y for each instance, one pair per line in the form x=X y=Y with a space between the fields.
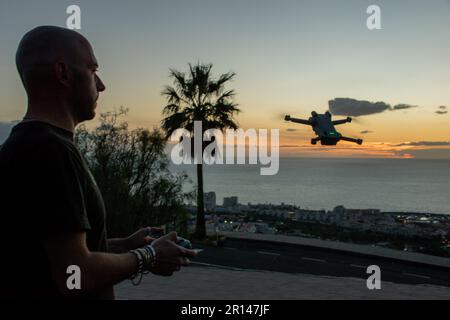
x=185 y=243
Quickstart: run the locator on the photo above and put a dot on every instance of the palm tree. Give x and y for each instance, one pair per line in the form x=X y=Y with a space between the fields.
x=199 y=97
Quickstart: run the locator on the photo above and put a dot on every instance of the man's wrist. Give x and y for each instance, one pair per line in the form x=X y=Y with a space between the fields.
x=146 y=260
x=118 y=245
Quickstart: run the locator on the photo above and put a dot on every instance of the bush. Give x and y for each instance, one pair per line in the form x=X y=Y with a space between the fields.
x=131 y=170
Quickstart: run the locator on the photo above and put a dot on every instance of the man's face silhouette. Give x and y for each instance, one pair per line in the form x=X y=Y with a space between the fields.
x=86 y=84
x=58 y=69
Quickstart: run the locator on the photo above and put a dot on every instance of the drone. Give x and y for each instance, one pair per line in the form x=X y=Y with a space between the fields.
x=323 y=126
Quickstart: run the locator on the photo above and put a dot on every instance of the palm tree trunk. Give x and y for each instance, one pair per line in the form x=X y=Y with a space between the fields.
x=200 y=229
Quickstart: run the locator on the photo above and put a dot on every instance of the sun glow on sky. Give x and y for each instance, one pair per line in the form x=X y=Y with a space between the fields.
x=291 y=57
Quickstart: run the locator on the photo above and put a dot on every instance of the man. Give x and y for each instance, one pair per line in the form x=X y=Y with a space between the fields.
x=52 y=211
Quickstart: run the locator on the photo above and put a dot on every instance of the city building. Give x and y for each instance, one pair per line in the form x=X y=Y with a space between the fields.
x=210 y=201
x=230 y=202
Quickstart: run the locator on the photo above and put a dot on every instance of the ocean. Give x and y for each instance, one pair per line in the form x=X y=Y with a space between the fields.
x=407 y=185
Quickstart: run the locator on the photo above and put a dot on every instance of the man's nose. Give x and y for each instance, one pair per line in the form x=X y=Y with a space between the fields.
x=100 y=85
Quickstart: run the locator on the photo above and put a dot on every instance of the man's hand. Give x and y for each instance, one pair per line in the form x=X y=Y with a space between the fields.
x=170 y=256
x=141 y=238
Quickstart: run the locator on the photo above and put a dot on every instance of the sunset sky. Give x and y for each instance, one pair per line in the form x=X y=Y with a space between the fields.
x=290 y=56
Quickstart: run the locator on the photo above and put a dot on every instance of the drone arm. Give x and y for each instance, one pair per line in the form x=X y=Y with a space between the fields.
x=295 y=120
x=358 y=141
x=344 y=121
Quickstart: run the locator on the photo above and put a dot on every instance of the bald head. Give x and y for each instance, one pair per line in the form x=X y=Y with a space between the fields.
x=58 y=67
x=43 y=46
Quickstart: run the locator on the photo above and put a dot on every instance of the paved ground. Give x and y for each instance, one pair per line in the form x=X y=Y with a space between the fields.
x=199 y=282
x=342 y=247
x=285 y=258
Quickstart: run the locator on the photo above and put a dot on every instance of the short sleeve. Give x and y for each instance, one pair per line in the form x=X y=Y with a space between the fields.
x=57 y=185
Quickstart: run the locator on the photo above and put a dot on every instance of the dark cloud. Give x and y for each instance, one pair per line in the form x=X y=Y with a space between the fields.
x=5 y=129
x=424 y=143
x=366 y=132
x=442 y=110
x=352 y=107
x=402 y=107
x=355 y=108
x=291 y=130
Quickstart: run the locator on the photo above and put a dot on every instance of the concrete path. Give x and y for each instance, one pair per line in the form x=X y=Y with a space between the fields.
x=217 y=283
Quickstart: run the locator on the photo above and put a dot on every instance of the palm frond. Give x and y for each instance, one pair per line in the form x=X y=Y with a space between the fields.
x=217 y=87
x=183 y=86
x=198 y=97
x=222 y=107
x=230 y=94
x=175 y=121
x=171 y=109
x=179 y=78
x=171 y=95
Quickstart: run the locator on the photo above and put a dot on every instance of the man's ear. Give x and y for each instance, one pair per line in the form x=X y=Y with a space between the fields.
x=63 y=73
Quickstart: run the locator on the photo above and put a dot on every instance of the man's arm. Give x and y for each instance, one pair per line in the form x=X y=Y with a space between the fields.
x=102 y=270
x=138 y=239
x=117 y=245
x=98 y=270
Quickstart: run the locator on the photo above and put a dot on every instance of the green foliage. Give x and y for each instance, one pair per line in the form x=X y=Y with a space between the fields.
x=131 y=170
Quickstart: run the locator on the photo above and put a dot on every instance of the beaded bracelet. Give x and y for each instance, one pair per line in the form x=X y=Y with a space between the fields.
x=146 y=260
x=152 y=253
x=140 y=268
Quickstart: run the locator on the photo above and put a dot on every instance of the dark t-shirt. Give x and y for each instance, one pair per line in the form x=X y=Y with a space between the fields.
x=46 y=190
